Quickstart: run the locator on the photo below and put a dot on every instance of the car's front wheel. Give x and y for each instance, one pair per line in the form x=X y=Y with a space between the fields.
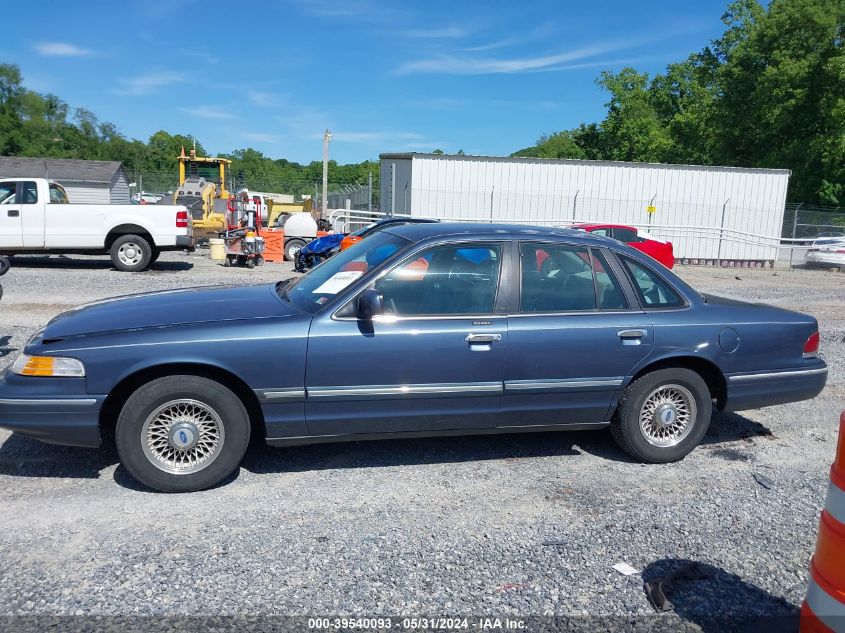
x=663 y=415
x=182 y=433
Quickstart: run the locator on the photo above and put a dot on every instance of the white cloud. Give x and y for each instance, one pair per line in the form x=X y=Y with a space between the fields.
x=61 y=49
x=438 y=33
x=146 y=84
x=262 y=99
x=210 y=112
x=468 y=65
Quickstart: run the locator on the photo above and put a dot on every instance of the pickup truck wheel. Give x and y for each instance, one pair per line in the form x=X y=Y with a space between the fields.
x=4 y=265
x=663 y=415
x=131 y=253
x=154 y=255
x=182 y=433
x=292 y=248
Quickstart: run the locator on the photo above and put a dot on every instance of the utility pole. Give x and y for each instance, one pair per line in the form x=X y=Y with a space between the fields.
x=327 y=136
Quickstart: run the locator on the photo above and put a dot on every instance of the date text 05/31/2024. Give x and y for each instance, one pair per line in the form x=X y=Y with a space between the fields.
x=409 y=623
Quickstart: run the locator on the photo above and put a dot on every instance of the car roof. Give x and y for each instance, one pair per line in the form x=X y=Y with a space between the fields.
x=476 y=230
x=603 y=226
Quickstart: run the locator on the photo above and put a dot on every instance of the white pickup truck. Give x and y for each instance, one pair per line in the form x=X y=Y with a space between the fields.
x=36 y=217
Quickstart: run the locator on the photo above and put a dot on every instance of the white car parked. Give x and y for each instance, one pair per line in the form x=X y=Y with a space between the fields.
x=36 y=217
x=827 y=251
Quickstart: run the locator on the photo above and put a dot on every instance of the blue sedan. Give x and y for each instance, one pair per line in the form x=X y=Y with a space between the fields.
x=420 y=330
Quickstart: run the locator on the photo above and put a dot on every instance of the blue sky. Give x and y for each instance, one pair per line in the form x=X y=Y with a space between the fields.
x=487 y=77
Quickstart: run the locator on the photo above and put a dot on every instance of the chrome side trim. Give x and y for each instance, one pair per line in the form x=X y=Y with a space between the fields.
x=777 y=374
x=400 y=390
x=520 y=385
x=71 y=402
x=286 y=393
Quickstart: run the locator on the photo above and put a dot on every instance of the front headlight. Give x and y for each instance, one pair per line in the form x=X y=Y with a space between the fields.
x=48 y=366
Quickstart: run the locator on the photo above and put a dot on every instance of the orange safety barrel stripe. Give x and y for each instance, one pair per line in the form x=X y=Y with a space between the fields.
x=837 y=471
x=829 y=559
x=810 y=623
x=824 y=606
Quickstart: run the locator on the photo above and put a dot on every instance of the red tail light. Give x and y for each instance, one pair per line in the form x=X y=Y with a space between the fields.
x=811 y=347
x=181 y=219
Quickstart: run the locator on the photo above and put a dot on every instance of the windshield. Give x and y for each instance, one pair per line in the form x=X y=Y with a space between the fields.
x=324 y=282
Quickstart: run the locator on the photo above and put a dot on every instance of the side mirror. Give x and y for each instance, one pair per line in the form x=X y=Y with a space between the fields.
x=370 y=304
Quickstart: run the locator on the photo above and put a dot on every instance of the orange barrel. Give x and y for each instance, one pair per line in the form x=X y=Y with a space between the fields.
x=823 y=610
x=274 y=245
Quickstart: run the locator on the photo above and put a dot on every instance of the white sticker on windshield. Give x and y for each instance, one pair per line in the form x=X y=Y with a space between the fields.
x=338 y=282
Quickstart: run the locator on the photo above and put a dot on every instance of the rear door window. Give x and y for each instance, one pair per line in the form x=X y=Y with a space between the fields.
x=29 y=193
x=561 y=278
x=57 y=194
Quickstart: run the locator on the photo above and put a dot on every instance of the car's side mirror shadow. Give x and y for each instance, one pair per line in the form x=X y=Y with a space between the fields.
x=370 y=304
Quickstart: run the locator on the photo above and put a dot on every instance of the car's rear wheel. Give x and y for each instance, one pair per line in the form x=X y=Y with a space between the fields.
x=131 y=253
x=292 y=248
x=663 y=415
x=182 y=433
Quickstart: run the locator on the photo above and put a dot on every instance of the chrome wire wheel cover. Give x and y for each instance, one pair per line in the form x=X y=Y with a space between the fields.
x=130 y=254
x=182 y=436
x=667 y=415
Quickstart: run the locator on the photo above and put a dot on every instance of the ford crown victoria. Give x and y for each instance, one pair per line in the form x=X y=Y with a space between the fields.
x=420 y=330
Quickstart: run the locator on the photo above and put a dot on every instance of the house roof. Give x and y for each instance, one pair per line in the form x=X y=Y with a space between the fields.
x=61 y=169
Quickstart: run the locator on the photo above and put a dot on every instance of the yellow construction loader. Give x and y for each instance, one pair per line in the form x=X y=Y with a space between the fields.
x=202 y=188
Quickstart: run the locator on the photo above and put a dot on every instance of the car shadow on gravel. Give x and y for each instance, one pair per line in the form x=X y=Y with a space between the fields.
x=65 y=262
x=715 y=600
x=24 y=457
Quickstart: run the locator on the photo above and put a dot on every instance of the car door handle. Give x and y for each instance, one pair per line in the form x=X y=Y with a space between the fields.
x=628 y=334
x=482 y=339
x=13 y=213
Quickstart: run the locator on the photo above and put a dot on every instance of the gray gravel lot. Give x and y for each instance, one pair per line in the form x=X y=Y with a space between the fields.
x=521 y=525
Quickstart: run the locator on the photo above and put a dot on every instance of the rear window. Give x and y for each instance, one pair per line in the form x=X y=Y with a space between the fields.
x=654 y=292
x=57 y=194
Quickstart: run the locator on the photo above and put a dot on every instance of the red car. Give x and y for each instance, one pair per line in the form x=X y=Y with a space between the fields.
x=660 y=250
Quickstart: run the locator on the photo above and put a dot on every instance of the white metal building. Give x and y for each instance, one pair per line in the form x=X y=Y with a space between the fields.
x=709 y=213
x=86 y=181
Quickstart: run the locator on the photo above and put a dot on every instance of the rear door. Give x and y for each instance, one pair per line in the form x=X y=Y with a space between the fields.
x=10 y=216
x=32 y=214
x=577 y=333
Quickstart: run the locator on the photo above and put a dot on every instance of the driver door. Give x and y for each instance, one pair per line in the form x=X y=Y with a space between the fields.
x=434 y=361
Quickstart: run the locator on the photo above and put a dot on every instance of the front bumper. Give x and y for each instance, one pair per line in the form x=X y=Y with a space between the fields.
x=53 y=410
x=765 y=389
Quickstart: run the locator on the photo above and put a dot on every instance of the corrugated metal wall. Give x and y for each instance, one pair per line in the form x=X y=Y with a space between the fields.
x=562 y=192
x=119 y=188
x=87 y=193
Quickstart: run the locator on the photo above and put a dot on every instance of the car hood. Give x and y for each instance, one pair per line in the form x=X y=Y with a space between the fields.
x=169 y=308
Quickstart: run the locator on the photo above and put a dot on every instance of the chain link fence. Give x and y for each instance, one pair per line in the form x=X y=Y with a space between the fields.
x=803 y=224
x=160 y=187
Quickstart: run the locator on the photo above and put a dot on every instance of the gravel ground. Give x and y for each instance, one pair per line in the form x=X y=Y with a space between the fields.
x=519 y=526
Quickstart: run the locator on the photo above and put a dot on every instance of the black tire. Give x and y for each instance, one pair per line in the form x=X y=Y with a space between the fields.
x=212 y=396
x=5 y=265
x=259 y=260
x=625 y=426
x=131 y=253
x=292 y=247
x=250 y=262
x=156 y=253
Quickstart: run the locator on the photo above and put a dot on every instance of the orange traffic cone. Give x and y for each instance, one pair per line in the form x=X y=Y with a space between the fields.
x=824 y=609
